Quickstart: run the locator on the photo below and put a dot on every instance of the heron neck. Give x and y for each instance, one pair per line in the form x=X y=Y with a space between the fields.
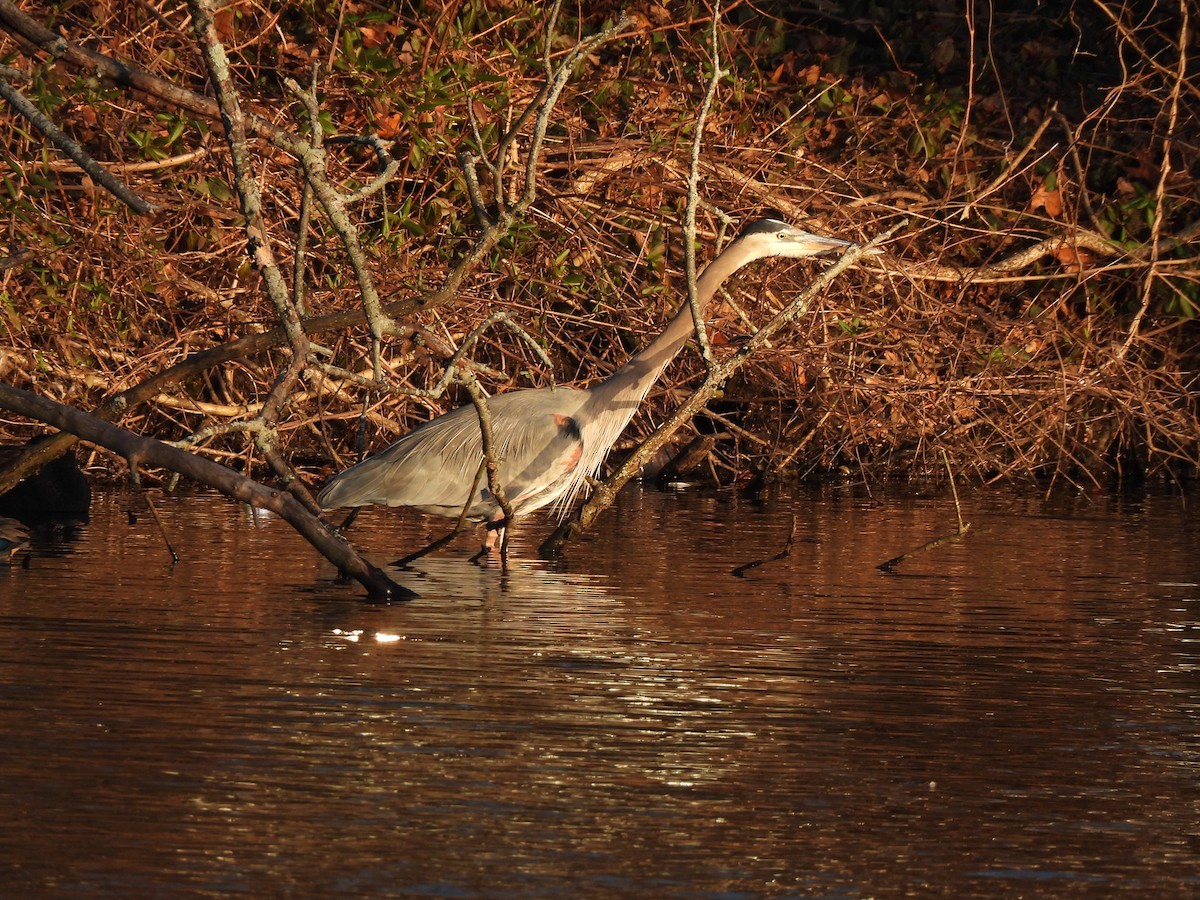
x=647 y=364
x=613 y=401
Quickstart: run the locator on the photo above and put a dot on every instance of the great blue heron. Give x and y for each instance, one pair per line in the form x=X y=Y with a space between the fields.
x=549 y=441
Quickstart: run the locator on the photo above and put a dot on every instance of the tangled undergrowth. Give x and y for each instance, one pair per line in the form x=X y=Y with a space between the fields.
x=1036 y=317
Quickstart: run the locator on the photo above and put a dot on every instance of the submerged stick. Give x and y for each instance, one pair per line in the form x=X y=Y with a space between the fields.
x=963 y=528
x=929 y=545
x=740 y=571
x=162 y=529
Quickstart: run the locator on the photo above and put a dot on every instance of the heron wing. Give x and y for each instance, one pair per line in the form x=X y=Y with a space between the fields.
x=434 y=466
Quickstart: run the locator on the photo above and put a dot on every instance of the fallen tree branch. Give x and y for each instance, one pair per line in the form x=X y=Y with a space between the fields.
x=140 y=450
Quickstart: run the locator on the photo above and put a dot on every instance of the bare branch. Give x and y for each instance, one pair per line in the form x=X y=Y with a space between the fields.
x=59 y=138
x=141 y=450
x=693 y=191
x=491 y=456
x=1163 y=173
x=258 y=242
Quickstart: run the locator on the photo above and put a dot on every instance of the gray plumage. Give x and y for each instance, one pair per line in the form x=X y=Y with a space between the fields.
x=550 y=441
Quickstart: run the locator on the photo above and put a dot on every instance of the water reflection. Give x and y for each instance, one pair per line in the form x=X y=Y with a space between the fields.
x=1012 y=714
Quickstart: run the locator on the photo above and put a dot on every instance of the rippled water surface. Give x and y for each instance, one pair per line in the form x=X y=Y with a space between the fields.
x=1016 y=714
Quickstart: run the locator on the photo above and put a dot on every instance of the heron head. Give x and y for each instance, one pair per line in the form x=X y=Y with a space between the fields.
x=772 y=237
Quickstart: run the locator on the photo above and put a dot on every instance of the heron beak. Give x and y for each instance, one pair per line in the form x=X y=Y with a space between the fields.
x=819 y=244
x=814 y=244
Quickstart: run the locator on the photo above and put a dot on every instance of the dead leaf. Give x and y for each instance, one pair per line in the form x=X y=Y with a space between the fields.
x=1050 y=201
x=1073 y=259
x=223 y=22
x=389 y=126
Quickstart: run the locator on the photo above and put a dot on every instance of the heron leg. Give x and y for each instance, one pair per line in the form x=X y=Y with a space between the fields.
x=497 y=537
x=446 y=538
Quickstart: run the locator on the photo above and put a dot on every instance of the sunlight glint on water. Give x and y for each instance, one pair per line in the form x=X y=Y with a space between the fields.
x=1013 y=713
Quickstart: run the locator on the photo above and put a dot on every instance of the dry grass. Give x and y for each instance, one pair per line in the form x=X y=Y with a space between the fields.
x=1079 y=362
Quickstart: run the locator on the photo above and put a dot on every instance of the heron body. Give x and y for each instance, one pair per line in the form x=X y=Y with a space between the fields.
x=539 y=442
x=549 y=441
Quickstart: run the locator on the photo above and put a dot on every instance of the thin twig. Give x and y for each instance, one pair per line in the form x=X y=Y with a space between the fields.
x=693 y=191
x=63 y=142
x=304 y=220
x=953 y=490
x=740 y=571
x=1161 y=189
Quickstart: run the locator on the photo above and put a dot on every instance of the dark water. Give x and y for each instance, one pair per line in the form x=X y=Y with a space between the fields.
x=1014 y=715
